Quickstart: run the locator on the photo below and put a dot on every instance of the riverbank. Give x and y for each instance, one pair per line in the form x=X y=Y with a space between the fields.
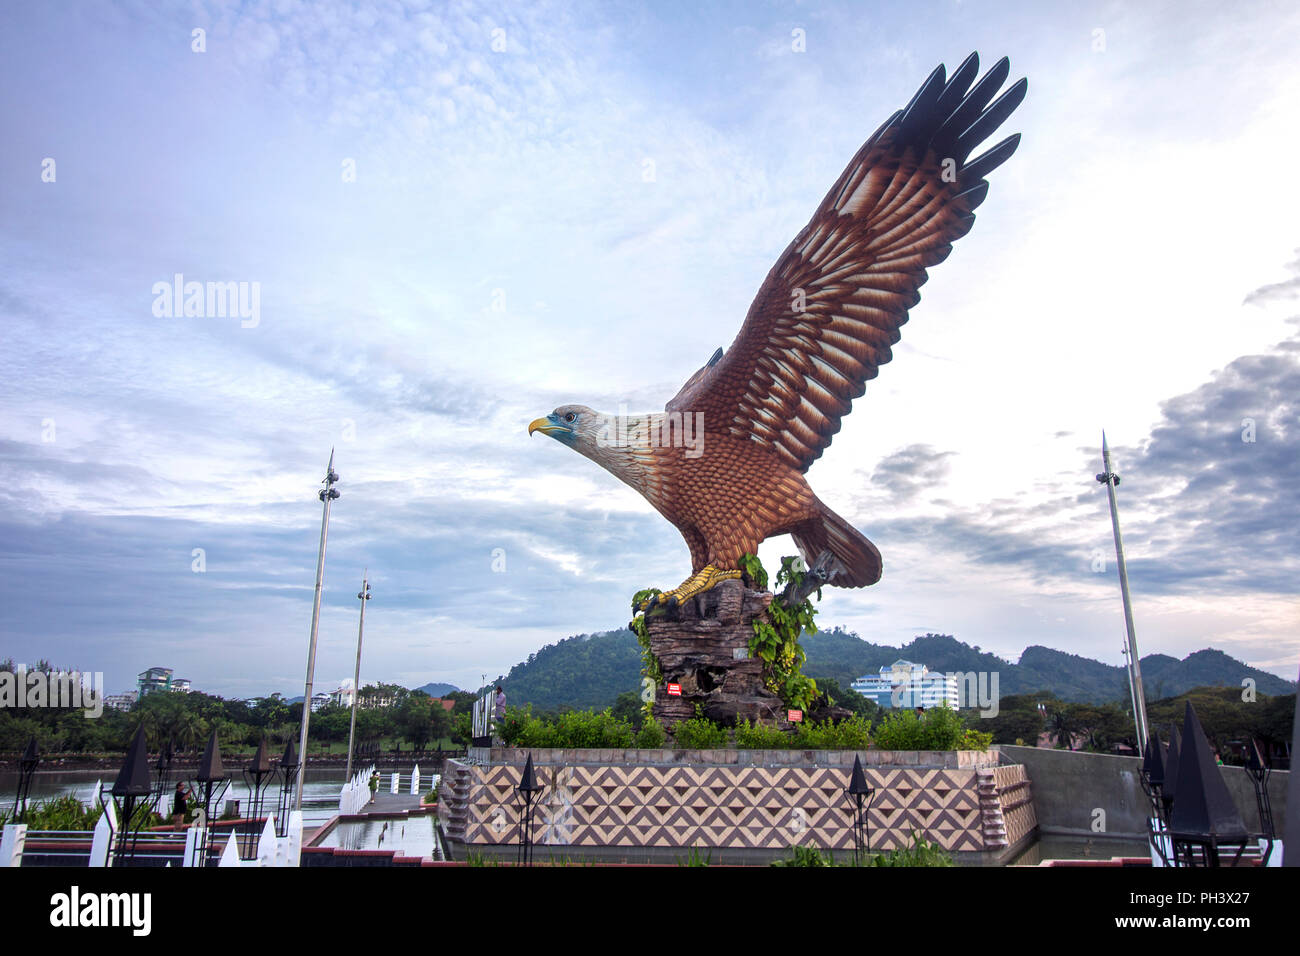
x=394 y=760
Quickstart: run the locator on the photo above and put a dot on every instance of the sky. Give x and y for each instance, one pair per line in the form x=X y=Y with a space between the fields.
x=455 y=217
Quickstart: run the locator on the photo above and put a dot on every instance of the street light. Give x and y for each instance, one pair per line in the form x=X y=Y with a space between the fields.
x=212 y=783
x=130 y=793
x=289 y=767
x=363 y=596
x=527 y=792
x=862 y=795
x=327 y=496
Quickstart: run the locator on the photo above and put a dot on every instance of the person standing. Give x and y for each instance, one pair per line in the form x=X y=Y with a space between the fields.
x=178 y=807
x=500 y=704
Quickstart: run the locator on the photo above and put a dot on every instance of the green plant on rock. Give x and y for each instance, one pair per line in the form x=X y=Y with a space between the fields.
x=776 y=633
x=650 y=666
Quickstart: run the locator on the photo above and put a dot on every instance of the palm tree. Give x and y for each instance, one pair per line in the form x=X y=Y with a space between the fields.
x=1063 y=726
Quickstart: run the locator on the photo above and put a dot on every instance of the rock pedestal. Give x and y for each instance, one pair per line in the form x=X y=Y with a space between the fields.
x=703 y=645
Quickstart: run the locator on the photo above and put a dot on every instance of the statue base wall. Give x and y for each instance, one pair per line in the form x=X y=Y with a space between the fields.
x=703 y=646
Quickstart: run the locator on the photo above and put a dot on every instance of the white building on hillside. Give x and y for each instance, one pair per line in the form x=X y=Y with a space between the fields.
x=908 y=685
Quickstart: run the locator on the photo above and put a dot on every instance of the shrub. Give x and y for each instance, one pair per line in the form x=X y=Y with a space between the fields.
x=920 y=853
x=651 y=735
x=900 y=730
x=64 y=813
x=575 y=728
x=942 y=728
x=760 y=736
x=699 y=733
x=806 y=856
x=852 y=733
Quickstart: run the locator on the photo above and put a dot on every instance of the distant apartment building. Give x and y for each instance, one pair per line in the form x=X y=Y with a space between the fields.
x=121 y=701
x=160 y=678
x=320 y=700
x=374 y=697
x=343 y=696
x=905 y=684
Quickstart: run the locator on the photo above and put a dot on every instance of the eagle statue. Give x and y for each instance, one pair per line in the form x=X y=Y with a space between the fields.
x=725 y=461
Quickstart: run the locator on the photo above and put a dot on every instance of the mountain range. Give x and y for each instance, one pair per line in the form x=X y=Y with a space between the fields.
x=591 y=670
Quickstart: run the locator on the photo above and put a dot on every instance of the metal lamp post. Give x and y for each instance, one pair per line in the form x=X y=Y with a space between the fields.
x=363 y=596
x=327 y=496
x=164 y=771
x=1204 y=820
x=26 y=768
x=131 y=791
x=1111 y=481
x=212 y=783
x=862 y=795
x=527 y=791
x=257 y=775
x=289 y=767
x=1152 y=776
x=1259 y=772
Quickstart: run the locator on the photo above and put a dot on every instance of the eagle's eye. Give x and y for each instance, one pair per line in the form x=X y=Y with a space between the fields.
x=571 y=417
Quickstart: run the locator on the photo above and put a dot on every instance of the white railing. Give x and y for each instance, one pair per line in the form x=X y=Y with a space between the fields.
x=356 y=792
x=272 y=851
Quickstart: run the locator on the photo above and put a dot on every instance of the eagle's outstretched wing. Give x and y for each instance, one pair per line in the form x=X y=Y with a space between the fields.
x=828 y=312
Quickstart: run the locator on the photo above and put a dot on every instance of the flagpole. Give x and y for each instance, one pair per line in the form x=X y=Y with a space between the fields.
x=327 y=495
x=1110 y=480
x=363 y=596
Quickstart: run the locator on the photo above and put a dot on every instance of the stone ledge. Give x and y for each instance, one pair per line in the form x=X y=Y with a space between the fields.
x=945 y=759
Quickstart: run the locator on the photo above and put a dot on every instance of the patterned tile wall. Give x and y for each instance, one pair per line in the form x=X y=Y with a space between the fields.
x=751 y=807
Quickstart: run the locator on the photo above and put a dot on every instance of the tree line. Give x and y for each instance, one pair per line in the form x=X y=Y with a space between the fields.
x=183 y=722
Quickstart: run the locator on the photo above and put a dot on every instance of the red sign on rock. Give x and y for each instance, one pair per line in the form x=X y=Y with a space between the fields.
x=794 y=716
x=674 y=690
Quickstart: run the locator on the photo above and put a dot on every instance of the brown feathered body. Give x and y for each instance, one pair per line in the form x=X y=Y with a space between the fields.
x=821 y=326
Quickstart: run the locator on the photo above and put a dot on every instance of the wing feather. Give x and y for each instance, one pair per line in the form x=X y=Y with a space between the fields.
x=830 y=310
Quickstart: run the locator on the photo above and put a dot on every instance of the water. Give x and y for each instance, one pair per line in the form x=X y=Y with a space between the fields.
x=1080 y=848
x=412 y=836
x=320 y=792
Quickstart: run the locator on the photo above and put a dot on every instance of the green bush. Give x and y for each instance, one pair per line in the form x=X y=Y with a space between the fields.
x=920 y=853
x=575 y=728
x=852 y=733
x=651 y=736
x=63 y=813
x=900 y=730
x=974 y=740
x=806 y=856
x=699 y=733
x=941 y=728
x=760 y=736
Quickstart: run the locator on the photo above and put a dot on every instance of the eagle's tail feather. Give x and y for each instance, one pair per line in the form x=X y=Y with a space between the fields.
x=856 y=561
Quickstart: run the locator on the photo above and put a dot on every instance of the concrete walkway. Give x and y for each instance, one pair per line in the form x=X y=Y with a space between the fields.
x=391 y=803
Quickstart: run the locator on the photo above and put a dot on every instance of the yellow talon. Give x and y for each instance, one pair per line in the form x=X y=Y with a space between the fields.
x=706 y=579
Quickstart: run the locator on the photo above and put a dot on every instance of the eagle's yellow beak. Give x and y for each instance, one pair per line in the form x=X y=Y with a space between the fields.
x=546 y=427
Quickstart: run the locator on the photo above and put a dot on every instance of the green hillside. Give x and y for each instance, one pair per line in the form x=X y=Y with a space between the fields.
x=591 y=670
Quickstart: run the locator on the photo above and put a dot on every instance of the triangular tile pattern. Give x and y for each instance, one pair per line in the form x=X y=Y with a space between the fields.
x=760 y=807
